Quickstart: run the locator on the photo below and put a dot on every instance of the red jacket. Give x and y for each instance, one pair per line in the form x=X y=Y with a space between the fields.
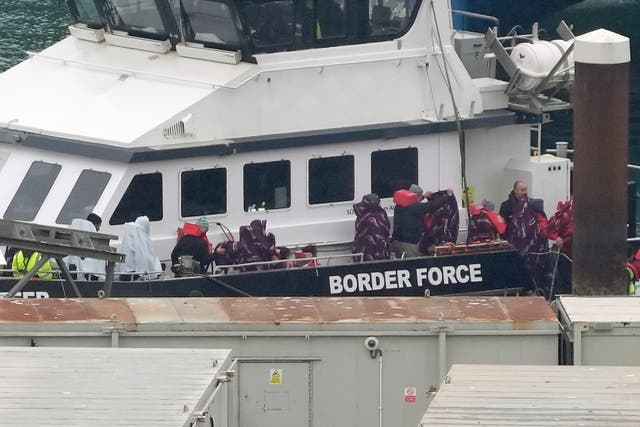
x=561 y=225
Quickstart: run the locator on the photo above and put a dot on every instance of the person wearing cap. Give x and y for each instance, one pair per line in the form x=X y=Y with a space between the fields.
x=407 y=219
x=194 y=244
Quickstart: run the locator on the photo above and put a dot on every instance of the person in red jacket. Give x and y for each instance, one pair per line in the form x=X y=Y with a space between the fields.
x=484 y=223
x=560 y=226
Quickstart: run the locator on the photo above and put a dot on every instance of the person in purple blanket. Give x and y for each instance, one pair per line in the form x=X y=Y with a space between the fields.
x=525 y=231
x=372 y=229
x=256 y=245
x=526 y=223
x=440 y=226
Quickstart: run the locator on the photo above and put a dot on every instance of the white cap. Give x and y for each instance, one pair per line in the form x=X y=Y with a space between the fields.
x=602 y=47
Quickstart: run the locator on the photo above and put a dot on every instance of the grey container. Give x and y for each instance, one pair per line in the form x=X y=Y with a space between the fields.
x=303 y=361
x=499 y=395
x=599 y=330
x=112 y=387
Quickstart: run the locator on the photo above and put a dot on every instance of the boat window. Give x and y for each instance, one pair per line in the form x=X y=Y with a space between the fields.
x=268 y=24
x=32 y=191
x=138 y=17
x=320 y=20
x=267 y=185
x=331 y=179
x=331 y=19
x=84 y=196
x=86 y=12
x=392 y=170
x=388 y=17
x=210 y=22
x=204 y=192
x=143 y=197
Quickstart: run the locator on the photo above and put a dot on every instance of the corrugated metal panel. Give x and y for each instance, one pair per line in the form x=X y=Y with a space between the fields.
x=104 y=386
x=601 y=309
x=516 y=312
x=498 y=395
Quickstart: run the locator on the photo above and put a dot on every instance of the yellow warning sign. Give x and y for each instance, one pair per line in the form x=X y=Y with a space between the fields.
x=275 y=376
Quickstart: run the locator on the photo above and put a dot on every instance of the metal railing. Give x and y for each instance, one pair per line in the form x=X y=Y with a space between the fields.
x=223 y=269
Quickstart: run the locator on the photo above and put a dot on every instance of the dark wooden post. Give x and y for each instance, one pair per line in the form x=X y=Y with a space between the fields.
x=601 y=143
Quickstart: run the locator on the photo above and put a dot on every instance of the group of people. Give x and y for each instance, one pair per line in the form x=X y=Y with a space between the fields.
x=255 y=250
x=421 y=221
x=140 y=257
x=425 y=220
x=22 y=260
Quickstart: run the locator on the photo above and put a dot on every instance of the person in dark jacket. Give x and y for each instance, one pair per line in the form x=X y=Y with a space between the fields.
x=193 y=245
x=508 y=207
x=526 y=232
x=372 y=229
x=408 y=221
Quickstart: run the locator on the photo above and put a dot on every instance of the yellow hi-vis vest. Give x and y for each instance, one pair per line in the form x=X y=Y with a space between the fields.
x=20 y=267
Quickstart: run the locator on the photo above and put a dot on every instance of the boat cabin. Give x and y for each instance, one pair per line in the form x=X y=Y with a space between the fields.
x=284 y=110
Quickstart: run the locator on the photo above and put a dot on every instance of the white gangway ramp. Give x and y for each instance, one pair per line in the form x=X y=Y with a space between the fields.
x=48 y=386
x=527 y=395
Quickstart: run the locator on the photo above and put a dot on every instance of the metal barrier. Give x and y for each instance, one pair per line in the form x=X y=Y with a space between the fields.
x=56 y=243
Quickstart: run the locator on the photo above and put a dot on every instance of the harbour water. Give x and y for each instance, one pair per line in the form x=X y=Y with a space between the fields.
x=32 y=25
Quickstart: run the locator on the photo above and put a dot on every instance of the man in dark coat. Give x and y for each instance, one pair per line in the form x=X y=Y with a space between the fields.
x=508 y=207
x=408 y=222
x=526 y=231
x=372 y=229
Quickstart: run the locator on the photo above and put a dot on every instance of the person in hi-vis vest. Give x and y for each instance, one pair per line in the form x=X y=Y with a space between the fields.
x=25 y=260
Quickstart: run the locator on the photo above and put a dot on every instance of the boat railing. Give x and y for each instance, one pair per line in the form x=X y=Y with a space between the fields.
x=474 y=15
x=317 y=261
x=566 y=153
x=100 y=276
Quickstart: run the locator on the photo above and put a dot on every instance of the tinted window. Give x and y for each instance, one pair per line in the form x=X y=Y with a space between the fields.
x=85 y=11
x=267 y=185
x=204 y=192
x=268 y=24
x=32 y=191
x=331 y=19
x=388 y=17
x=84 y=196
x=392 y=170
x=331 y=179
x=143 y=197
x=209 y=22
x=136 y=15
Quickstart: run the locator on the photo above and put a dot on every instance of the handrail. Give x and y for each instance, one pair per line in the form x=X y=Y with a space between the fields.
x=219 y=268
x=493 y=19
x=571 y=151
x=58 y=273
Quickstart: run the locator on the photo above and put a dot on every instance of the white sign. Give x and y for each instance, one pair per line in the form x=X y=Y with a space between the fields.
x=410 y=395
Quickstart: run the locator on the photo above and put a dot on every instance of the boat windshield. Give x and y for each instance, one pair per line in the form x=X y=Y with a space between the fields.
x=86 y=12
x=252 y=26
x=213 y=23
x=137 y=17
